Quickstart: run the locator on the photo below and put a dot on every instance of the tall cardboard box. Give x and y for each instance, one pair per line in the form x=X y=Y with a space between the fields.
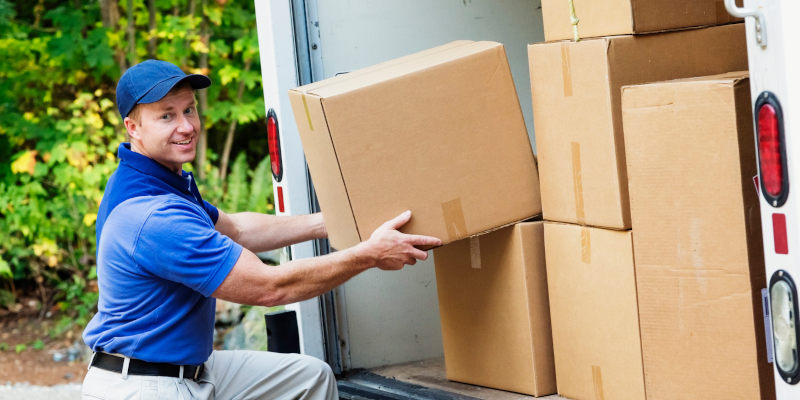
x=494 y=310
x=578 y=115
x=439 y=133
x=622 y=17
x=697 y=238
x=594 y=314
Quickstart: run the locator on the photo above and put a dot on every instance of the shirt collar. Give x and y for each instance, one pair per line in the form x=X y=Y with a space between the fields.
x=148 y=166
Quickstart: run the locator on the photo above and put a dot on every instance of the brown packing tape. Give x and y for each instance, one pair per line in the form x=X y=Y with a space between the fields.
x=586 y=246
x=597 y=378
x=577 y=182
x=308 y=115
x=566 y=69
x=475 y=252
x=454 y=219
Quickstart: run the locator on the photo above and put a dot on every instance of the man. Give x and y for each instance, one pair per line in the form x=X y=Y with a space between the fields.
x=165 y=254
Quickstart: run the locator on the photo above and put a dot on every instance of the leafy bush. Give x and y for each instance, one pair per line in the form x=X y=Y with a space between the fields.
x=60 y=130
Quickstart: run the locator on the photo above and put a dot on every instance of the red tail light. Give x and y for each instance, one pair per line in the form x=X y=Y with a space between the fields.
x=771 y=152
x=274 y=143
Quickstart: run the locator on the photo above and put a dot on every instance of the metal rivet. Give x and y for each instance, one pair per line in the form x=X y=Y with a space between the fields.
x=780 y=273
x=314 y=46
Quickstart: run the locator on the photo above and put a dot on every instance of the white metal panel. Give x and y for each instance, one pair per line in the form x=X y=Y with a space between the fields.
x=279 y=73
x=773 y=68
x=393 y=317
x=354 y=34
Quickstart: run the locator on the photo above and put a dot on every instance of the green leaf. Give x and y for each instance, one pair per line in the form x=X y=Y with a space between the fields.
x=5 y=270
x=38 y=345
x=20 y=348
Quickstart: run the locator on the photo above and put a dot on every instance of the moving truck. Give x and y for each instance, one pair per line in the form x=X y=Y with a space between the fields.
x=381 y=331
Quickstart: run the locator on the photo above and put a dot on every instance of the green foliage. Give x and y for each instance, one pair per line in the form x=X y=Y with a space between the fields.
x=246 y=190
x=20 y=348
x=38 y=344
x=3 y=346
x=59 y=128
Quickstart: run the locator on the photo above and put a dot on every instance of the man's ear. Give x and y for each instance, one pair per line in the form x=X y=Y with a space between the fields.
x=133 y=128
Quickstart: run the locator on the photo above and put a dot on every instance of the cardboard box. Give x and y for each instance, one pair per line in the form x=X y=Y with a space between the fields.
x=697 y=238
x=578 y=116
x=622 y=17
x=494 y=310
x=594 y=315
x=439 y=133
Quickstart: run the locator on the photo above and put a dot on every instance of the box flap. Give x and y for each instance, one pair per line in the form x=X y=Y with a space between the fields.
x=311 y=87
x=324 y=168
x=408 y=66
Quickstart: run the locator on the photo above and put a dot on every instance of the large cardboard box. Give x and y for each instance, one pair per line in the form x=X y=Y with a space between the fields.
x=578 y=116
x=697 y=238
x=594 y=314
x=494 y=310
x=622 y=17
x=439 y=133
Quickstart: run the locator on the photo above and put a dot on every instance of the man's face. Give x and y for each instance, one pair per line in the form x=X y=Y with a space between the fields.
x=166 y=131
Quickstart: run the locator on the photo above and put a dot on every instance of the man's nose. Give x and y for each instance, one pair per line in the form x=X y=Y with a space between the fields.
x=184 y=125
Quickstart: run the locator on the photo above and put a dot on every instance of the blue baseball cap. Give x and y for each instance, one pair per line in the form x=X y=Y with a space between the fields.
x=151 y=80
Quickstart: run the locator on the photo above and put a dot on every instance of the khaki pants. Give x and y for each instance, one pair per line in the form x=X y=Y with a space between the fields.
x=228 y=375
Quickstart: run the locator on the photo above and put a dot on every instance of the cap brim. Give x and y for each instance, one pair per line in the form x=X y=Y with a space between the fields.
x=162 y=88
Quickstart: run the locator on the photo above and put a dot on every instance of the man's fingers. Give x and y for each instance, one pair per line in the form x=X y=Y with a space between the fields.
x=398 y=221
x=419 y=254
x=419 y=240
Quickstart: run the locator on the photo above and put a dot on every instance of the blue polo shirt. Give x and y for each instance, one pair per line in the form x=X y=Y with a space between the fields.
x=159 y=258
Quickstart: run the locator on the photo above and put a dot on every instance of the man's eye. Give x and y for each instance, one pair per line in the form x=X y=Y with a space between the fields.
x=189 y=110
x=165 y=116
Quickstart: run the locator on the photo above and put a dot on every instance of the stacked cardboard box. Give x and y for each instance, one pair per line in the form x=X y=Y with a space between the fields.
x=697 y=238
x=495 y=310
x=577 y=100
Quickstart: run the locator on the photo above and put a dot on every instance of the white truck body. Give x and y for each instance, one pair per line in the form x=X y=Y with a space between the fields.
x=772 y=53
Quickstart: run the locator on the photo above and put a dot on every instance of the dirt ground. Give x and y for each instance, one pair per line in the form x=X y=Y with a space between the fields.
x=36 y=366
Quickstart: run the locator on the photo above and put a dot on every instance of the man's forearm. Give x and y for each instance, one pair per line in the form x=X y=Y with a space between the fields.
x=262 y=232
x=251 y=282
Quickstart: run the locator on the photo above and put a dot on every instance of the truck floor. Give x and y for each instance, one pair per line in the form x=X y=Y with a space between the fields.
x=417 y=380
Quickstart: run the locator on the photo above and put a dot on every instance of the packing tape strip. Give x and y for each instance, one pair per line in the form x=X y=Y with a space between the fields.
x=454 y=219
x=475 y=252
x=586 y=246
x=308 y=114
x=566 y=69
x=577 y=183
x=597 y=378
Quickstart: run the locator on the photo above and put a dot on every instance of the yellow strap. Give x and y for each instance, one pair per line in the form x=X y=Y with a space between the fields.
x=573 y=19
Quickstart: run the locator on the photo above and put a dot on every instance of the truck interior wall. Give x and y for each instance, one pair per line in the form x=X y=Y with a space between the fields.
x=393 y=317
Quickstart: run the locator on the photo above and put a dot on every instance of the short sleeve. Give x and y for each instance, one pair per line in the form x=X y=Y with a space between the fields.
x=178 y=243
x=212 y=212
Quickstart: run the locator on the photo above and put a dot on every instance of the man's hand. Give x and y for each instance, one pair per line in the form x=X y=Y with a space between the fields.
x=391 y=250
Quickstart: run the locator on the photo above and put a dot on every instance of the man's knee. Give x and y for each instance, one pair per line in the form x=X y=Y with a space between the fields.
x=316 y=368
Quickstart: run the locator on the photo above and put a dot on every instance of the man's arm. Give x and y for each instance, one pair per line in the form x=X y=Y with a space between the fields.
x=261 y=232
x=251 y=282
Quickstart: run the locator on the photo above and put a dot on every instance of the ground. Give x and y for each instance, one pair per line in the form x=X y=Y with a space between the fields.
x=33 y=366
